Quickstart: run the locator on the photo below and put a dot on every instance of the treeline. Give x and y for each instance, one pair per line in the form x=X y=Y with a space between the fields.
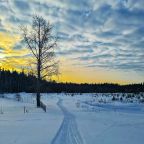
x=20 y=82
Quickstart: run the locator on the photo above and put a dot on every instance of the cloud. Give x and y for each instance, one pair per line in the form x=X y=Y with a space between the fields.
x=22 y=5
x=93 y=33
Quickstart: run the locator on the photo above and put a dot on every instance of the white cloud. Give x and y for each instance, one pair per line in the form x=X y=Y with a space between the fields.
x=95 y=32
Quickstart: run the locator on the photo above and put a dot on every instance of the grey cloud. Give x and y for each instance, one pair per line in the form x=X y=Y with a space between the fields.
x=99 y=33
x=22 y=5
x=74 y=51
x=20 y=45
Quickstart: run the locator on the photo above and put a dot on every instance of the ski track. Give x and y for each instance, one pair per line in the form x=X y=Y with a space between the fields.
x=68 y=132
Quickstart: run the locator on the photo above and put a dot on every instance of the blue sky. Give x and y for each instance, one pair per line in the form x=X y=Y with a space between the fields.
x=98 y=40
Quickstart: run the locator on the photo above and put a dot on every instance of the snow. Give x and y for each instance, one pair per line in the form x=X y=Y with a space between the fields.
x=72 y=119
x=34 y=127
x=68 y=132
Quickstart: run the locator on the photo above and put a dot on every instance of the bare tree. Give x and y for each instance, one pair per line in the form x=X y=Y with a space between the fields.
x=41 y=43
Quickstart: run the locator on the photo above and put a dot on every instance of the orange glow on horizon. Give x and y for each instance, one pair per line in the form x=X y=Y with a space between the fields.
x=16 y=59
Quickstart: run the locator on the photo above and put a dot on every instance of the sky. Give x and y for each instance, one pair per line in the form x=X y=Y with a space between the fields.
x=98 y=40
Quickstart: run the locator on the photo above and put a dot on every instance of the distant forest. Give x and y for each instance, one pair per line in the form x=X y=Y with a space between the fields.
x=13 y=82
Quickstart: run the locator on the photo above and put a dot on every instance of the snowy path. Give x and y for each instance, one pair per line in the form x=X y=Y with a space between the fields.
x=68 y=132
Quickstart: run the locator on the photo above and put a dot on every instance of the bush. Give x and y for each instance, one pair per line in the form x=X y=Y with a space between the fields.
x=121 y=99
x=142 y=100
x=18 y=97
x=72 y=94
x=113 y=98
x=2 y=95
x=128 y=96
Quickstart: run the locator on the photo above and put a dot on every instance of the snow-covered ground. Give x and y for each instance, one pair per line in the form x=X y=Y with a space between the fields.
x=72 y=119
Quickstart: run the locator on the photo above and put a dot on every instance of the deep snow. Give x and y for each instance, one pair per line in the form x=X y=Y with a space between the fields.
x=71 y=119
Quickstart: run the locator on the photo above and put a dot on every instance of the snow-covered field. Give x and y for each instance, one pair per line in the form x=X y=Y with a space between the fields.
x=72 y=119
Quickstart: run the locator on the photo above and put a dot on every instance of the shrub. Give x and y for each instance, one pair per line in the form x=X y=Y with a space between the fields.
x=18 y=97
x=113 y=98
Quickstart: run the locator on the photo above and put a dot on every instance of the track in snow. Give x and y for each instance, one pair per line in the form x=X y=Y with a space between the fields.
x=68 y=132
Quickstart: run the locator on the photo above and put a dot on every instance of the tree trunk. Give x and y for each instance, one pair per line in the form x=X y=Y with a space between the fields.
x=38 y=84
x=38 y=69
x=38 y=99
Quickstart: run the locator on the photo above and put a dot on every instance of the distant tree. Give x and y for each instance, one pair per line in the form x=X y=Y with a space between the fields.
x=41 y=43
x=15 y=82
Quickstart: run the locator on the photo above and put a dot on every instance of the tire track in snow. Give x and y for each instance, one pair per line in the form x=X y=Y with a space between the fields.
x=68 y=132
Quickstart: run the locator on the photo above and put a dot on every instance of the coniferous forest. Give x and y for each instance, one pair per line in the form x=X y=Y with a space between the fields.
x=13 y=81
